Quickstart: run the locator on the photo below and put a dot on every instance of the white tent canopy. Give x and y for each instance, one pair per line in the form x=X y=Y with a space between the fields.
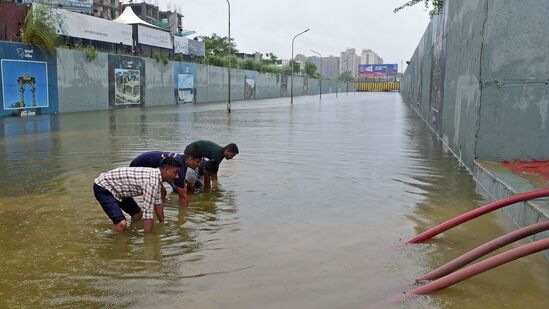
x=128 y=17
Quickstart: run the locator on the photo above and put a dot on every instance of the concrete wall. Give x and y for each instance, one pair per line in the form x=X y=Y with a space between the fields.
x=479 y=78
x=461 y=99
x=91 y=84
x=515 y=76
x=83 y=85
x=159 y=83
x=267 y=86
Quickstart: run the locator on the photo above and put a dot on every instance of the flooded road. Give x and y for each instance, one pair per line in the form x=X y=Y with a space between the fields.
x=308 y=215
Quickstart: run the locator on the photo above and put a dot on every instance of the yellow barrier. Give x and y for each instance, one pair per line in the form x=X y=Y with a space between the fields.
x=378 y=86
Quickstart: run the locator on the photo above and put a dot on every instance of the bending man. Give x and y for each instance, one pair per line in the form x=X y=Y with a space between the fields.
x=115 y=190
x=214 y=153
x=153 y=159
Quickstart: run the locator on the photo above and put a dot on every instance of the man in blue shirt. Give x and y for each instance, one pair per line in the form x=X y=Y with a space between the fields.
x=212 y=152
x=153 y=159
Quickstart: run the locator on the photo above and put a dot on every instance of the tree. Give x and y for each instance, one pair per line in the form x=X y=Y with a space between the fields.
x=39 y=30
x=288 y=67
x=218 y=46
x=345 y=76
x=249 y=64
x=272 y=58
x=310 y=69
x=436 y=4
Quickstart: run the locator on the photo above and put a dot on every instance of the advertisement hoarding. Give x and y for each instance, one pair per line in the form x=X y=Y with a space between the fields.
x=73 y=5
x=185 y=88
x=92 y=28
x=153 y=37
x=25 y=84
x=197 y=48
x=180 y=45
x=377 y=70
x=126 y=80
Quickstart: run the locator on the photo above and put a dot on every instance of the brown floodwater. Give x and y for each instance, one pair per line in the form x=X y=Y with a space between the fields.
x=308 y=215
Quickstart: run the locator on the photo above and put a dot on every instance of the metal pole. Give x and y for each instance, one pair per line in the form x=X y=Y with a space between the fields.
x=229 y=64
x=292 y=68
x=320 y=72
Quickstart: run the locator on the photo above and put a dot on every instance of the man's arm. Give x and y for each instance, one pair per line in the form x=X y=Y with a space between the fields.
x=206 y=180
x=159 y=211
x=183 y=198
x=190 y=187
x=214 y=178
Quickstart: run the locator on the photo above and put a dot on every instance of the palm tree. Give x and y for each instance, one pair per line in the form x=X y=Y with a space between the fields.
x=39 y=29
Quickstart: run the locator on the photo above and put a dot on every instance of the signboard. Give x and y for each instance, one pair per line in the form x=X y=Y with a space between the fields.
x=153 y=37
x=197 y=48
x=180 y=45
x=73 y=5
x=126 y=80
x=283 y=85
x=249 y=88
x=25 y=84
x=92 y=28
x=377 y=70
x=185 y=88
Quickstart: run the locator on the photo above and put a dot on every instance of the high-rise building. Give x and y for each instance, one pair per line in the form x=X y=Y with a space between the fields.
x=368 y=56
x=107 y=9
x=330 y=66
x=349 y=61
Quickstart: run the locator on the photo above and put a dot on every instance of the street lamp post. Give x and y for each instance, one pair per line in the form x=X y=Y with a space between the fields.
x=229 y=63
x=292 y=68
x=320 y=72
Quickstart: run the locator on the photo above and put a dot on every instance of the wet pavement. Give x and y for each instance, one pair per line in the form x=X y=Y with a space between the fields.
x=308 y=215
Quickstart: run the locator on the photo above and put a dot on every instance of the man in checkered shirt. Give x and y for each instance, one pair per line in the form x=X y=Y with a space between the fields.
x=115 y=191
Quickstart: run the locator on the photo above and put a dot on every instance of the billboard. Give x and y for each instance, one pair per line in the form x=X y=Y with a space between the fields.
x=25 y=84
x=184 y=82
x=197 y=48
x=377 y=70
x=283 y=85
x=73 y=5
x=126 y=80
x=153 y=37
x=92 y=28
x=180 y=45
x=249 y=88
x=185 y=88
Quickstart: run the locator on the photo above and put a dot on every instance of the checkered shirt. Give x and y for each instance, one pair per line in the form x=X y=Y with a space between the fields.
x=134 y=181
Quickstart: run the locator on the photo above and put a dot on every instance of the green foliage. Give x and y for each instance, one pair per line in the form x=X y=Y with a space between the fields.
x=39 y=29
x=259 y=66
x=288 y=68
x=219 y=61
x=272 y=58
x=345 y=76
x=161 y=57
x=217 y=50
x=91 y=54
x=249 y=64
x=218 y=46
x=437 y=5
x=310 y=69
x=178 y=57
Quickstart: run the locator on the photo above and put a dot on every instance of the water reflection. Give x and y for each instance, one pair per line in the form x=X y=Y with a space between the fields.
x=305 y=217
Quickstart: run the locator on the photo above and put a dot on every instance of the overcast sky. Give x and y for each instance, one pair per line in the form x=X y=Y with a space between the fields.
x=269 y=25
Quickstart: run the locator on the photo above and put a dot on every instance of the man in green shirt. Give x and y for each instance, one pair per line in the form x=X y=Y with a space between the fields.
x=212 y=152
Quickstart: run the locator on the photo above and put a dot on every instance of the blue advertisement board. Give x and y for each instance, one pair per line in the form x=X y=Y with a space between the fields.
x=185 y=88
x=377 y=70
x=73 y=5
x=28 y=81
